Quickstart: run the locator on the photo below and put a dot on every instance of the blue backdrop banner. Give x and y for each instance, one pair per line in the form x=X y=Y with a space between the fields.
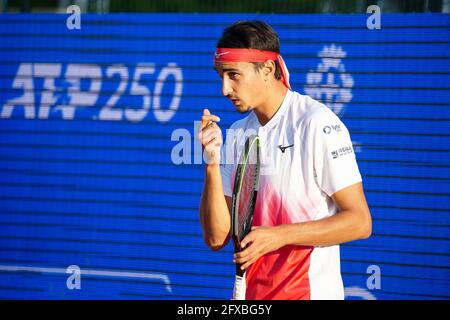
x=97 y=200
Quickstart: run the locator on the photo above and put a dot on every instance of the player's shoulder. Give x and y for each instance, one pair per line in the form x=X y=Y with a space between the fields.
x=308 y=110
x=319 y=112
x=243 y=123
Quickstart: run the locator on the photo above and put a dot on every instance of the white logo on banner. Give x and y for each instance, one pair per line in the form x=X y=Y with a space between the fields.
x=330 y=83
x=67 y=88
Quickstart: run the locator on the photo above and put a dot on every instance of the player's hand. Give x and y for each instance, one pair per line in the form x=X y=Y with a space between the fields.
x=260 y=241
x=210 y=137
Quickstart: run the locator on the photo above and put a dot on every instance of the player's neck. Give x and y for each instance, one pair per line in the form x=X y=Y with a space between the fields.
x=265 y=111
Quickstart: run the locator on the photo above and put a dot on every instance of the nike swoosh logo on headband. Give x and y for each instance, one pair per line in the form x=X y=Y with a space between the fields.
x=217 y=55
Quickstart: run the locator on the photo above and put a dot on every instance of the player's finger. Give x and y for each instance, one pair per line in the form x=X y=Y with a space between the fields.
x=208 y=121
x=212 y=144
x=208 y=142
x=248 y=259
x=247 y=239
x=206 y=112
x=212 y=130
x=205 y=134
x=240 y=260
x=210 y=127
x=207 y=117
x=248 y=264
x=204 y=123
x=210 y=117
x=244 y=255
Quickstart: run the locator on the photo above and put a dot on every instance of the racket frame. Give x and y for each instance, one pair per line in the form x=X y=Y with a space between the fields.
x=251 y=142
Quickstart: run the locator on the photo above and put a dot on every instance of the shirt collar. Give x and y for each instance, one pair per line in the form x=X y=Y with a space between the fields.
x=274 y=120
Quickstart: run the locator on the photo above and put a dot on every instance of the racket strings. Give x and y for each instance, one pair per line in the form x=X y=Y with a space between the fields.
x=246 y=201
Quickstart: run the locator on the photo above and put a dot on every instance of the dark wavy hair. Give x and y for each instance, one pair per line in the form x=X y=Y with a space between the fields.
x=253 y=34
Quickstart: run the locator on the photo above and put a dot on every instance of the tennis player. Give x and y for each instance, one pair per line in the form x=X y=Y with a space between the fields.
x=310 y=197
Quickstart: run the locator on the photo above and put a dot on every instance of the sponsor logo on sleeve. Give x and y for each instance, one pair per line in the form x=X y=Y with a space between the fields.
x=331 y=128
x=342 y=152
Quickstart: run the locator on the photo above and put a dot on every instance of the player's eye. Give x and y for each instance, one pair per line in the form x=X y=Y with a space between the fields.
x=233 y=75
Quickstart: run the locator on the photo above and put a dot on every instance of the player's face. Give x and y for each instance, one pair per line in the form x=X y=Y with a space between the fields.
x=242 y=84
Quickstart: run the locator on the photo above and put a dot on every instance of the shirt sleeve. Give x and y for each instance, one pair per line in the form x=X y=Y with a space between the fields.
x=227 y=162
x=226 y=173
x=334 y=159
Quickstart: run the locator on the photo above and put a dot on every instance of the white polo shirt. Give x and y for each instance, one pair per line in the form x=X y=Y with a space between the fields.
x=306 y=155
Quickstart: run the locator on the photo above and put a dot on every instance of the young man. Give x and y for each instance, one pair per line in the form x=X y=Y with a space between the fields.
x=310 y=197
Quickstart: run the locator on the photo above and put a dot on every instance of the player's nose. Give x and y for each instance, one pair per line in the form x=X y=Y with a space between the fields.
x=226 y=88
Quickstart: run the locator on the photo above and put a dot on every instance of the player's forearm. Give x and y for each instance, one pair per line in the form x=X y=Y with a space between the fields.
x=214 y=214
x=343 y=227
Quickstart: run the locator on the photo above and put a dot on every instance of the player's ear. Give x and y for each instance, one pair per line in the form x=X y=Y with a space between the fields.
x=268 y=68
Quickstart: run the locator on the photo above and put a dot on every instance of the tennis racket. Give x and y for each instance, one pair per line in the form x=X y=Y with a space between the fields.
x=245 y=190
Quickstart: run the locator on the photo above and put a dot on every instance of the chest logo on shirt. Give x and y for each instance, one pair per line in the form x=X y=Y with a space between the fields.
x=283 y=149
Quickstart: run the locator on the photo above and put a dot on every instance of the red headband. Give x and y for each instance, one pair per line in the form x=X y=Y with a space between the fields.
x=252 y=55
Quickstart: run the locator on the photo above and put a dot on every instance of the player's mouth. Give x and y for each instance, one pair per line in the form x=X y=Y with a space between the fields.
x=235 y=101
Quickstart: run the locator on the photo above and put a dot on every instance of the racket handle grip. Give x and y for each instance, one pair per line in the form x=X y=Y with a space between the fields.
x=239 y=288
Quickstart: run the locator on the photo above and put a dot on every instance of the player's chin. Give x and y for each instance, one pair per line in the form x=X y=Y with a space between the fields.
x=242 y=108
